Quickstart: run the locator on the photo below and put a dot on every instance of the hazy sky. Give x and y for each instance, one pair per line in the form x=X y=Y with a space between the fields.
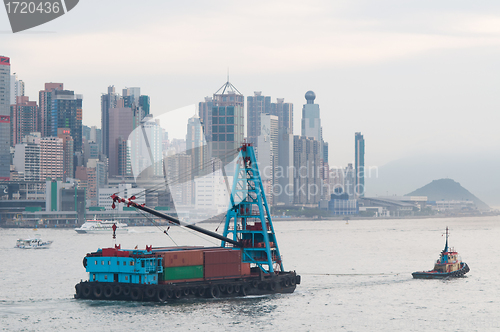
x=412 y=76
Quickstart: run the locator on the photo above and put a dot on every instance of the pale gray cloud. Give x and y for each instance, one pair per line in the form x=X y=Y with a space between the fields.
x=413 y=76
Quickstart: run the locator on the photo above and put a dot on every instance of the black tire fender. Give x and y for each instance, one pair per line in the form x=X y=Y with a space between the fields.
x=136 y=294
x=108 y=291
x=86 y=291
x=214 y=291
x=78 y=291
x=117 y=290
x=151 y=292
x=162 y=295
x=97 y=291
x=126 y=290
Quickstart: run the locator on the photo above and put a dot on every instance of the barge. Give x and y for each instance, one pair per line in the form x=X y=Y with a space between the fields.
x=248 y=261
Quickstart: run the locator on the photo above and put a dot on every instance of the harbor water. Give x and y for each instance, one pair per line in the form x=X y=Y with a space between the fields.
x=356 y=276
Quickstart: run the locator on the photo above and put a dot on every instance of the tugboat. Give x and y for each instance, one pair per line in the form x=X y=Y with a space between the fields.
x=448 y=265
x=248 y=261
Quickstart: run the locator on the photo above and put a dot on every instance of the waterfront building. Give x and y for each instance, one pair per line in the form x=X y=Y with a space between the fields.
x=228 y=125
x=284 y=175
x=124 y=190
x=27 y=160
x=24 y=119
x=256 y=105
x=307 y=167
x=99 y=170
x=51 y=158
x=65 y=196
x=359 y=142
x=5 y=144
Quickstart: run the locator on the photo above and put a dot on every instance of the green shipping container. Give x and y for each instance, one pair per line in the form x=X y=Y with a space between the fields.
x=183 y=272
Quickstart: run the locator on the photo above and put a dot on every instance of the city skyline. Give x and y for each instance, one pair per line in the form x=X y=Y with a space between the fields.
x=417 y=73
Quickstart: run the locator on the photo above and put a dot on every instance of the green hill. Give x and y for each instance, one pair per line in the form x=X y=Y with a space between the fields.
x=448 y=190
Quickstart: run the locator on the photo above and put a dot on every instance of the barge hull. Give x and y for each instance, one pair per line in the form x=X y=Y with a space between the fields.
x=284 y=282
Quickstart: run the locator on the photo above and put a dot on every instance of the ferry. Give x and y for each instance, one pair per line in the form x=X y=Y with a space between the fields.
x=448 y=265
x=101 y=227
x=32 y=243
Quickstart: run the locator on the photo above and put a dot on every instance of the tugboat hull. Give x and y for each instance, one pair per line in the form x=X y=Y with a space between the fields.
x=464 y=268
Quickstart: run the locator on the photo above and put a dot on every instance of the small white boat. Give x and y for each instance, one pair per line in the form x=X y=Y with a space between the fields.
x=32 y=243
x=101 y=226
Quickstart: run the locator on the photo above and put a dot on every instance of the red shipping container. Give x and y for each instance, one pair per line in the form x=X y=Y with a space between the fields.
x=182 y=258
x=222 y=256
x=245 y=269
x=222 y=270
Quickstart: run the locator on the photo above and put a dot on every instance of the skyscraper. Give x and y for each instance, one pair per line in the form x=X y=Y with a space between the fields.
x=45 y=105
x=284 y=175
x=108 y=101
x=51 y=158
x=131 y=98
x=24 y=116
x=256 y=105
x=267 y=152
x=27 y=160
x=311 y=122
x=284 y=111
x=146 y=148
x=4 y=118
x=65 y=135
x=120 y=127
x=228 y=125
x=16 y=88
x=67 y=113
x=144 y=103
x=307 y=181
x=196 y=145
x=205 y=113
x=359 y=142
